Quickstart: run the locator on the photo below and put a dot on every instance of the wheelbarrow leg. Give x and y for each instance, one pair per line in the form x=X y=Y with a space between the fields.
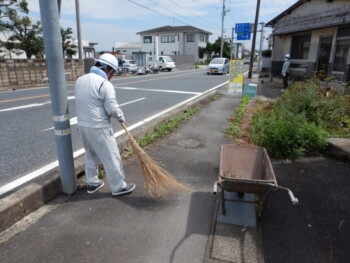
x=222 y=193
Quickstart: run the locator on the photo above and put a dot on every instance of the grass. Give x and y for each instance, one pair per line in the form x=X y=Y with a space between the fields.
x=233 y=131
x=166 y=127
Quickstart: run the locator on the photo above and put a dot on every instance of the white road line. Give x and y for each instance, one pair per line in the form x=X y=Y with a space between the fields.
x=74 y=120
x=33 y=105
x=161 y=90
x=26 y=178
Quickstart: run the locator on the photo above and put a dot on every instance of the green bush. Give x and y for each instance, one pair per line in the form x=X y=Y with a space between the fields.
x=301 y=120
x=290 y=136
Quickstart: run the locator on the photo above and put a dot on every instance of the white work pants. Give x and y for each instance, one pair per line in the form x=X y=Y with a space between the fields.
x=100 y=145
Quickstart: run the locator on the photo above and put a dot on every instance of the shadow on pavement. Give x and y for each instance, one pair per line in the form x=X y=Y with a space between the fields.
x=198 y=210
x=318 y=229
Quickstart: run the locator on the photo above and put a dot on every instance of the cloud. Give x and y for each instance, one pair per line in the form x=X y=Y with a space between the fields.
x=107 y=21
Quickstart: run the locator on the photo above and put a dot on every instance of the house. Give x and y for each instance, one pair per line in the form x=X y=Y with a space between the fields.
x=89 y=51
x=316 y=33
x=127 y=48
x=175 y=41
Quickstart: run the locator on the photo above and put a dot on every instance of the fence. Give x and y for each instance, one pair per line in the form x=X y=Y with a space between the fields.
x=22 y=73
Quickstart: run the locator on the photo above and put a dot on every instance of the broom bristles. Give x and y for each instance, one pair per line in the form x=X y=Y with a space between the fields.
x=158 y=181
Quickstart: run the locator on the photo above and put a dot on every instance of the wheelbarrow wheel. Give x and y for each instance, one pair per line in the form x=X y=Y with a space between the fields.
x=260 y=209
x=240 y=195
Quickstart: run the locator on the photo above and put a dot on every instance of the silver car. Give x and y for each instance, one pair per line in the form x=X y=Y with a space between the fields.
x=219 y=66
x=130 y=65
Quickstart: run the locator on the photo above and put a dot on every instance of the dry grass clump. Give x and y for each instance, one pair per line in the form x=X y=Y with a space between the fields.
x=158 y=181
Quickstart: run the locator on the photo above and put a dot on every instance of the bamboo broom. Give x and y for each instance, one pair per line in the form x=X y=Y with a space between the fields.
x=158 y=181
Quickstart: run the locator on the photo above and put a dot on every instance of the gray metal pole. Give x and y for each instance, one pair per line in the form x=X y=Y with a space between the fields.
x=59 y=7
x=261 y=41
x=58 y=90
x=80 y=41
x=254 y=40
x=222 y=28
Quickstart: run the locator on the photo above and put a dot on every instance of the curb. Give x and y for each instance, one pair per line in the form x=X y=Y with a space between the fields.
x=24 y=200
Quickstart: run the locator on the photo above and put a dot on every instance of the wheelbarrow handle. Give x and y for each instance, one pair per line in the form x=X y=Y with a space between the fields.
x=215 y=188
x=294 y=200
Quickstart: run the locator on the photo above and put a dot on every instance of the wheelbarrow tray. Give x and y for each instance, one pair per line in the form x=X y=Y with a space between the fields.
x=245 y=169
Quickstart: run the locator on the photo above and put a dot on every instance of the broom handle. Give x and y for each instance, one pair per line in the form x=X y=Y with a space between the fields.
x=126 y=130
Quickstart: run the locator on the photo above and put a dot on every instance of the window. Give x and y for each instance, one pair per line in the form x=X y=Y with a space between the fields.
x=147 y=39
x=203 y=38
x=342 y=49
x=300 y=46
x=190 y=37
x=167 y=39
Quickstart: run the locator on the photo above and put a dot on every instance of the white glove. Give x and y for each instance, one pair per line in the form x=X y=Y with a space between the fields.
x=121 y=119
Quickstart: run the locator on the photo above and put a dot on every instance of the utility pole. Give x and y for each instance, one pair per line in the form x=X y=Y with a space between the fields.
x=80 y=45
x=58 y=90
x=59 y=7
x=232 y=37
x=254 y=41
x=222 y=27
x=261 y=41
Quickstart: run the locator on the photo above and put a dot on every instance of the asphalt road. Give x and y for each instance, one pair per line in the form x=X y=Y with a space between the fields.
x=27 y=137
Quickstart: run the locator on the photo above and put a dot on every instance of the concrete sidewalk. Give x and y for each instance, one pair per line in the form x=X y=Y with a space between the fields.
x=188 y=227
x=135 y=228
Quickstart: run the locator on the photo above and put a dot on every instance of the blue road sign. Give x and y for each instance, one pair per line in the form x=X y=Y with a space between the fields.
x=243 y=36
x=242 y=28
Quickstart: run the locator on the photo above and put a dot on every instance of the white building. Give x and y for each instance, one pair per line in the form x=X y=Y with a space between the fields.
x=175 y=40
x=88 y=49
x=127 y=48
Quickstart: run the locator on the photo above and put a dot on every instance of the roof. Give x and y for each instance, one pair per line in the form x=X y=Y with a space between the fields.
x=286 y=12
x=129 y=45
x=174 y=29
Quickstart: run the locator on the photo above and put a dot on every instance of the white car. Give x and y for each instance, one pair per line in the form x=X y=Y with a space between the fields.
x=163 y=63
x=219 y=66
x=130 y=65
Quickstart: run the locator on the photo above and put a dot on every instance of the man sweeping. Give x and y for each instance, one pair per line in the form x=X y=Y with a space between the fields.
x=96 y=104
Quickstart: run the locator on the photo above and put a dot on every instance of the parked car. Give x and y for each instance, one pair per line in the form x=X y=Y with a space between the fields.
x=163 y=63
x=219 y=66
x=130 y=65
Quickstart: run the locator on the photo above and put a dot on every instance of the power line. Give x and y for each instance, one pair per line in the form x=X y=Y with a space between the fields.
x=189 y=11
x=176 y=13
x=154 y=11
x=205 y=4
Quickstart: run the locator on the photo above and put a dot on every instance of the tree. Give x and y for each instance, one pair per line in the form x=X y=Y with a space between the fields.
x=215 y=48
x=68 y=47
x=10 y=7
x=24 y=35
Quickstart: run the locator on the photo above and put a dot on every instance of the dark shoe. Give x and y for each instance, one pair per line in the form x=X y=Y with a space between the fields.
x=92 y=188
x=128 y=189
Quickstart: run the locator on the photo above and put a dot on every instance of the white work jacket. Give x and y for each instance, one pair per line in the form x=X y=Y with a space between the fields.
x=95 y=100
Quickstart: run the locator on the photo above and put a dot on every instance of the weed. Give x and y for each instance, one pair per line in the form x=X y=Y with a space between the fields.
x=301 y=120
x=233 y=131
x=166 y=127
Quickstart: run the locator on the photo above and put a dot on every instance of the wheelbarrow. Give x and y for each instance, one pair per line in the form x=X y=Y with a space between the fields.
x=247 y=169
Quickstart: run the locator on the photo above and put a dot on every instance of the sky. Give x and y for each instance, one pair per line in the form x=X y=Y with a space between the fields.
x=108 y=21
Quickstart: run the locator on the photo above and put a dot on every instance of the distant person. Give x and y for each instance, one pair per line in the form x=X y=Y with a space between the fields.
x=285 y=71
x=96 y=104
x=155 y=68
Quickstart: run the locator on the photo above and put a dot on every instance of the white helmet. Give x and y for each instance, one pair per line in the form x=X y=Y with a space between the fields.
x=109 y=60
x=287 y=56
